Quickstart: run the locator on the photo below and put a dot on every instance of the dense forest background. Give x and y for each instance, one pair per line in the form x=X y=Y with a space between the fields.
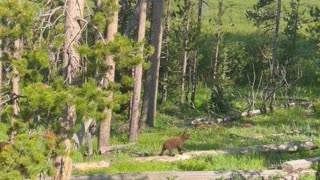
x=104 y=65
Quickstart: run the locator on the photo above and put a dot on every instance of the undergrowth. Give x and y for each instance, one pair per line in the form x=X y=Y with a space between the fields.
x=283 y=125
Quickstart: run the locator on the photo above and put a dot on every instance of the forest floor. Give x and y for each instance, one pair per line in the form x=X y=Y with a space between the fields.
x=226 y=147
x=295 y=172
x=202 y=175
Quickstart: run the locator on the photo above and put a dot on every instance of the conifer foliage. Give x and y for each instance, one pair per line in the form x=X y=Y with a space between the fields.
x=50 y=84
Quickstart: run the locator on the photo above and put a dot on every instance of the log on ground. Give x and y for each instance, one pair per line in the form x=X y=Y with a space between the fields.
x=300 y=164
x=90 y=165
x=106 y=149
x=289 y=147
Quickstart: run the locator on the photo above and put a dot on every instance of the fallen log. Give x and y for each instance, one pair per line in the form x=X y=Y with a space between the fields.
x=289 y=147
x=300 y=164
x=106 y=149
x=86 y=166
x=252 y=113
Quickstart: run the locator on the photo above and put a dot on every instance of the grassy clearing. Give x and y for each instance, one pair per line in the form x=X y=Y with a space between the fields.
x=234 y=18
x=224 y=136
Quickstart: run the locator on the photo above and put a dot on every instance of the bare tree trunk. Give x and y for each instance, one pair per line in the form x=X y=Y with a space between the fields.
x=294 y=38
x=15 y=89
x=89 y=140
x=98 y=9
x=71 y=58
x=274 y=67
x=185 y=57
x=134 y=120
x=275 y=41
x=149 y=106
x=71 y=68
x=0 y=74
x=195 y=62
x=104 y=135
x=216 y=58
x=166 y=59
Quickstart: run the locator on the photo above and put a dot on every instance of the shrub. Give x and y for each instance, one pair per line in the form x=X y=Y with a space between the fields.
x=27 y=157
x=316 y=108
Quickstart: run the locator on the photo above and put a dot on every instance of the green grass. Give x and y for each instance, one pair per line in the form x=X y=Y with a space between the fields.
x=234 y=18
x=225 y=136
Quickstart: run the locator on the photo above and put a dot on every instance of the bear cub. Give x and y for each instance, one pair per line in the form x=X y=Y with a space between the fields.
x=173 y=143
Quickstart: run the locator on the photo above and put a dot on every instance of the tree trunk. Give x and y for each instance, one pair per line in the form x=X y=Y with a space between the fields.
x=149 y=106
x=294 y=38
x=218 y=39
x=166 y=59
x=15 y=89
x=71 y=57
x=134 y=118
x=195 y=62
x=275 y=42
x=71 y=64
x=185 y=56
x=274 y=67
x=104 y=135
x=0 y=74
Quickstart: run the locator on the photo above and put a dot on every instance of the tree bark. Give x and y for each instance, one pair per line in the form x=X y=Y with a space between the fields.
x=185 y=55
x=218 y=39
x=149 y=106
x=0 y=74
x=275 y=42
x=15 y=89
x=195 y=62
x=134 y=118
x=71 y=58
x=104 y=135
x=167 y=57
x=274 y=66
x=294 y=38
x=71 y=68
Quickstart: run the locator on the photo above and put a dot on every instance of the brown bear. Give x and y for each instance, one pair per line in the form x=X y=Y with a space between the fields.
x=173 y=143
